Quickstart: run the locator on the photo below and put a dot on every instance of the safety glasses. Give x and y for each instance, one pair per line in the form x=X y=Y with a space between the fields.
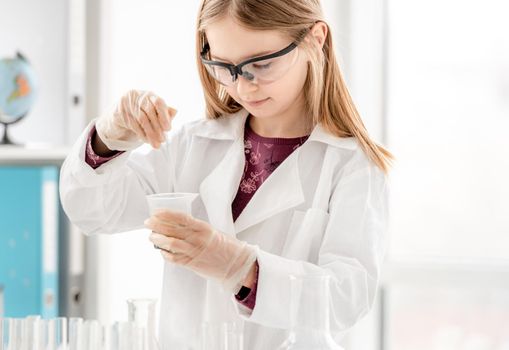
x=258 y=70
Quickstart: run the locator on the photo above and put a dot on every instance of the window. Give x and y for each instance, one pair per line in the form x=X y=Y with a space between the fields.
x=448 y=124
x=447 y=117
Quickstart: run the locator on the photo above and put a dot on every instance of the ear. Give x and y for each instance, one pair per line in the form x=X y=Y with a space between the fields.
x=319 y=32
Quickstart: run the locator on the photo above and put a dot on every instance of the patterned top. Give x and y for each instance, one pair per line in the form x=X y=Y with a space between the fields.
x=263 y=156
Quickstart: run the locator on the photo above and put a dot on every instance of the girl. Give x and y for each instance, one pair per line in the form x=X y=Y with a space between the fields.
x=289 y=181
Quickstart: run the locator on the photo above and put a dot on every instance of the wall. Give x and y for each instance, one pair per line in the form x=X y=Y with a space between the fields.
x=38 y=29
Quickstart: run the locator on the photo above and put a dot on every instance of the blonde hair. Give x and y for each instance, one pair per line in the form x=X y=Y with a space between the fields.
x=326 y=95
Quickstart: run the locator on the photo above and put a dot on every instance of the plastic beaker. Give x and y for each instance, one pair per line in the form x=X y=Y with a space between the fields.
x=178 y=201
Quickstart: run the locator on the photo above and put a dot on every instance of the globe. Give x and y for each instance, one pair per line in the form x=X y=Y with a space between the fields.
x=17 y=91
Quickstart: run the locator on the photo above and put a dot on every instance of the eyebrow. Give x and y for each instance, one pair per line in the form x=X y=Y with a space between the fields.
x=263 y=53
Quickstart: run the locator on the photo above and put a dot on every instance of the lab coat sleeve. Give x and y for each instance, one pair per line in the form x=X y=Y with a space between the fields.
x=351 y=252
x=111 y=198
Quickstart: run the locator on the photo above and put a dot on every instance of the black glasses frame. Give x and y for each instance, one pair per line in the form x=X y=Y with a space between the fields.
x=236 y=70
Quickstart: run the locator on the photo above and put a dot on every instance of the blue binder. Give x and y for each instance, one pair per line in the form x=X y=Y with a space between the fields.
x=29 y=240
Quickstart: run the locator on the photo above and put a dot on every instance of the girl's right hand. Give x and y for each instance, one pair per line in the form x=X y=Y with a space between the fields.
x=140 y=117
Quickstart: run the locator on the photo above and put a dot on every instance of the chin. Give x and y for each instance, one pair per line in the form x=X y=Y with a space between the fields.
x=260 y=113
x=267 y=111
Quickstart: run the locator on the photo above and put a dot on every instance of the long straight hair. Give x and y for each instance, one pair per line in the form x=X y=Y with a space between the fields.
x=327 y=99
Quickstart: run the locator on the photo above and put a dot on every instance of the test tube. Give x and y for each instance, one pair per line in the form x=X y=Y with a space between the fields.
x=5 y=324
x=91 y=335
x=75 y=333
x=108 y=341
x=1 y=301
x=13 y=333
x=60 y=329
x=33 y=332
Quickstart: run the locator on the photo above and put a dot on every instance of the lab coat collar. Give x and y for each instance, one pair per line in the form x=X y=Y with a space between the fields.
x=231 y=127
x=282 y=190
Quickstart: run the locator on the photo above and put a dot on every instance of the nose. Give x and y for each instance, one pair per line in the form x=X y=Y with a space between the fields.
x=245 y=87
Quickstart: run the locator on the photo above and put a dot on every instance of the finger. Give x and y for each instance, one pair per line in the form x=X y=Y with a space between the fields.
x=157 y=238
x=173 y=218
x=168 y=256
x=168 y=230
x=180 y=259
x=159 y=248
x=145 y=123
x=134 y=125
x=181 y=219
x=162 y=113
x=177 y=218
x=144 y=107
x=172 y=111
x=161 y=119
x=174 y=245
x=149 y=107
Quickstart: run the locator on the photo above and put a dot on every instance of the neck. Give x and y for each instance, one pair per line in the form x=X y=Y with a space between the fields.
x=275 y=127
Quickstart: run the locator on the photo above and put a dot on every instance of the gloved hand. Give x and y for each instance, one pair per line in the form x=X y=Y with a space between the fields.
x=198 y=246
x=139 y=117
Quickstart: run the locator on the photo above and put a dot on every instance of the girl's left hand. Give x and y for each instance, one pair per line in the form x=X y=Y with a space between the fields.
x=197 y=245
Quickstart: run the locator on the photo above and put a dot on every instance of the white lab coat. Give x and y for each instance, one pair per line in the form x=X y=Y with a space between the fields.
x=324 y=209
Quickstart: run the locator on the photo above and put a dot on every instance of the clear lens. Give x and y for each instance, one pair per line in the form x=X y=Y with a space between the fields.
x=268 y=71
x=259 y=72
x=221 y=74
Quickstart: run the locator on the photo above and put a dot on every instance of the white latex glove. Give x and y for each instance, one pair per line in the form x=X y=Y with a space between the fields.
x=198 y=246
x=139 y=117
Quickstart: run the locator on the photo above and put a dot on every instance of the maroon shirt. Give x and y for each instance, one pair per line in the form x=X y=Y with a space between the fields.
x=93 y=159
x=263 y=156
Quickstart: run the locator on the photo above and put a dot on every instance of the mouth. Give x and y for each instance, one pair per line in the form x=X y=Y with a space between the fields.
x=257 y=103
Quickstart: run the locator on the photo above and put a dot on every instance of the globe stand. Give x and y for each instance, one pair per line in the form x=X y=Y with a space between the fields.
x=6 y=140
